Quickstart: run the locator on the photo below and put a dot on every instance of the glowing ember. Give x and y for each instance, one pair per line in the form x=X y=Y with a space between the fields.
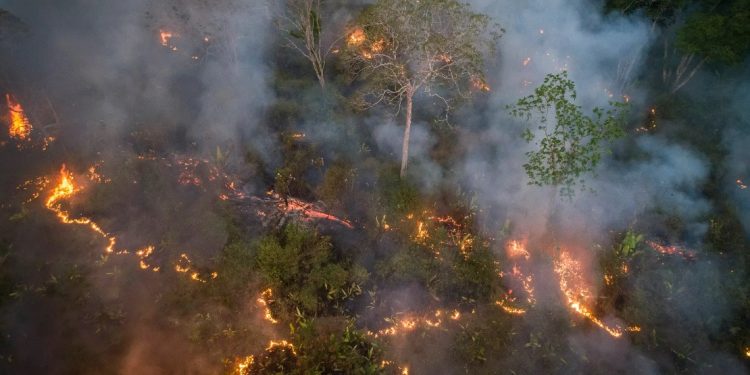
x=20 y=126
x=264 y=300
x=304 y=211
x=672 y=250
x=577 y=293
x=35 y=187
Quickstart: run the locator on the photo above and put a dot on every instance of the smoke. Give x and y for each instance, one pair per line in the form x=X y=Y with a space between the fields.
x=194 y=77
x=110 y=86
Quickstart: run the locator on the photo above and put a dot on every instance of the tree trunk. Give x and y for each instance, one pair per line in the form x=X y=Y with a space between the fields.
x=407 y=130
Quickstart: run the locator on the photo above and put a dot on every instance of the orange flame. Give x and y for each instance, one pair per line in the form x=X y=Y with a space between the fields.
x=356 y=38
x=281 y=344
x=243 y=365
x=517 y=249
x=264 y=301
x=577 y=293
x=165 y=37
x=66 y=188
x=480 y=84
x=20 y=126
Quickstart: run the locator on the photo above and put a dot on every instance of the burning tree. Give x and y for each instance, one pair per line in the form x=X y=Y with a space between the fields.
x=430 y=47
x=572 y=143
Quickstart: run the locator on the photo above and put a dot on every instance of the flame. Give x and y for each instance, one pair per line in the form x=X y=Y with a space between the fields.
x=281 y=344
x=421 y=232
x=20 y=126
x=526 y=61
x=747 y=352
x=243 y=365
x=378 y=46
x=264 y=300
x=577 y=293
x=165 y=37
x=142 y=255
x=356 y=38
x=516 y=249
x=480 y=84
x=409 y=322
x=510 y=310
x=66 y=188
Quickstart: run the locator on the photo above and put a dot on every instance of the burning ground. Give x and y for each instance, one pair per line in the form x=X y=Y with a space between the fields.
x=180 y=195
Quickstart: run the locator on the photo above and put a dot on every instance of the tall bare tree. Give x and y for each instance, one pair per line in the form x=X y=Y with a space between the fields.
x=432 y=47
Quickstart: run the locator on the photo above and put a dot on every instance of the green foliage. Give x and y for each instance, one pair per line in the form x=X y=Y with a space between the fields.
x=399 y=196
x=300 y=267
x=722 y=37
x=572 y=143
x=344 y=351
x=661 y=12
x=235 y=272
x=626 y=248
x=330 y=348
x=338 y=182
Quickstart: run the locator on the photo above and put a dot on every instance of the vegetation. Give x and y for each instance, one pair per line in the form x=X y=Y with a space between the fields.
x=432 y=47
x=571 y=143
x=325 y=257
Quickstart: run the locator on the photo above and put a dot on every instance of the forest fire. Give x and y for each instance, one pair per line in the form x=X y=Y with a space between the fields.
x=20 y=126
x=577 y=293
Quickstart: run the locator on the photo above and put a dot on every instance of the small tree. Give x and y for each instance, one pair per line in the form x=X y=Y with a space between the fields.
x=430 y=47
x=572 y=143
x=300 y=20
